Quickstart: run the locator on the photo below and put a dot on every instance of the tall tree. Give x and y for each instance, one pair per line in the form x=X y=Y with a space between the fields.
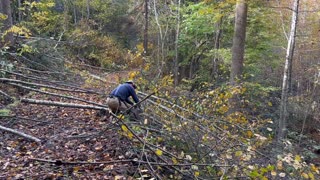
x=5 y=8
x=287 y=74
x=145 y=33
x=176 y=60
x=239 y=41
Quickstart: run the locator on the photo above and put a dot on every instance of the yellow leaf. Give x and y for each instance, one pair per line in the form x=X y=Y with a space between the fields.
x=130 y=135
x=174 y=160
x=249 y=134
x=124 y=128
x=269 y=103
x=305 y=176
x=76 y=169
x=313 y=168
x=196 y=174
x=311 y=176
x=158 y=152
x=297 y=158
x=238 y=153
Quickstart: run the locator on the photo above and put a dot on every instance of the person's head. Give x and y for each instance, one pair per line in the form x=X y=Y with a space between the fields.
x=132 y=83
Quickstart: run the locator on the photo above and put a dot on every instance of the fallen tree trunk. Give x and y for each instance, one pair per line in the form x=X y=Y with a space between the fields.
x=58 y=95
x=6 y=80
x=60 y=104
x=20 y=134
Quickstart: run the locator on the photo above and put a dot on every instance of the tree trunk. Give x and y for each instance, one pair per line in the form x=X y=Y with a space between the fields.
x=214 y=72
x=239 y=41
x=282 y=126
x=19 y=11
x=5 y=9
x=88 y=9
x=176 y=63
x=145 y=41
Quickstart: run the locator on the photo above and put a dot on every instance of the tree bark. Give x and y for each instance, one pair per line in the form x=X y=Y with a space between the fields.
x=5 y=8
x=20 y=134
x=282 y=126
x=239 y=41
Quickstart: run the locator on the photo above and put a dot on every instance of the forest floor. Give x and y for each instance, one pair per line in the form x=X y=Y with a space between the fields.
x=75 y=143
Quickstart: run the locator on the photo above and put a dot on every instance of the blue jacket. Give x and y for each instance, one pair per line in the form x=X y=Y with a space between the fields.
x=124 y=91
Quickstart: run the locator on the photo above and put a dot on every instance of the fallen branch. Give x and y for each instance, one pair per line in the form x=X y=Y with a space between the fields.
x=6 y=95
x=6 y=80
x=37 y=78
x=60 y=104
x=58 y=95
x=20 y=134
x=60 y=162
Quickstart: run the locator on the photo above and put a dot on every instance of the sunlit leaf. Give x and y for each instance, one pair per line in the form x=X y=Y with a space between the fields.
x=158 y=152
x=238 y=153
x=124 y=128
x=297 y=158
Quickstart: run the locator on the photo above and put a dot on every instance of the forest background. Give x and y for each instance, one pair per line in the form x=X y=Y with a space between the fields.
x=234 y=86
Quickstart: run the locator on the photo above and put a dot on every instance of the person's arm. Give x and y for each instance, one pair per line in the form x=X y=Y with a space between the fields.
x=128 y=101
x=134 y=96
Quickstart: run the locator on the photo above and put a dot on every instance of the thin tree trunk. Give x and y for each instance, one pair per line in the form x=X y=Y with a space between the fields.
x=239 y=41
x=216 y=48
x=5 y=8
x=145 y=41
x=282 y=126
x=88 y=9
x=19 y=11
x=176 y=61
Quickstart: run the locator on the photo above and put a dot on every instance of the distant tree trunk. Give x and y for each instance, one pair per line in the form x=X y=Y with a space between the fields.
x=5 y=8
x=19 y=11
x=176 y=64
x=216 y=48
x=282 y=127
x=145 y=41
x=88 y=9
x=239 y=41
